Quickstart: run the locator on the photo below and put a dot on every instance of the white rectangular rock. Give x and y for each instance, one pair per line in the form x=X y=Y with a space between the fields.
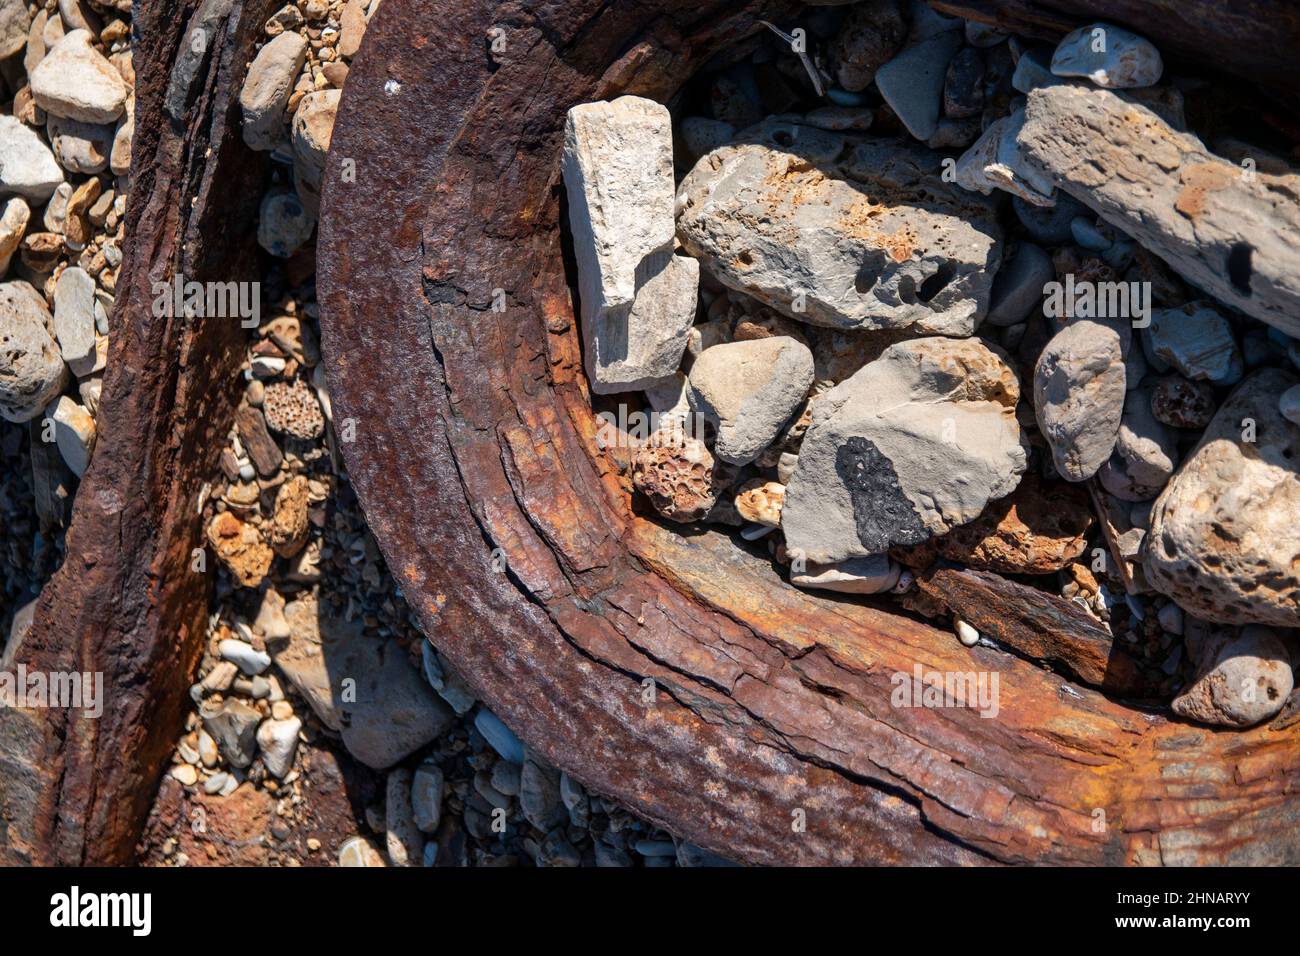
x=1229 y=229
x=637 y=298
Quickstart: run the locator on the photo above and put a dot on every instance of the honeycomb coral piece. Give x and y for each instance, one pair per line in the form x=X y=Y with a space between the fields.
x=676 y=472
x=291 y=408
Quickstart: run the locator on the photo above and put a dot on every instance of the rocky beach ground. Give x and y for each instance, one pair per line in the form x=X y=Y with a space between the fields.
x=899 y=294
x=965 y=300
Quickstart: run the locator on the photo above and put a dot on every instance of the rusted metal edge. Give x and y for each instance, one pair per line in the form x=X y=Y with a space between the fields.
x=125 y=604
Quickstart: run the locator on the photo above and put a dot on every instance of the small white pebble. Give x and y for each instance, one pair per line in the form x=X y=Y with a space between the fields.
x=965 y=633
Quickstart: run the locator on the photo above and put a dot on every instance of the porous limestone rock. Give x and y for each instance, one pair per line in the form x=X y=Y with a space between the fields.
x=748 y=390
x=1225 y=534
x=1227 y=230
x=1079 y=390
x=912 y=445
x=677 y=473
x=839 y=232
x=637 y=299
x=760 y=501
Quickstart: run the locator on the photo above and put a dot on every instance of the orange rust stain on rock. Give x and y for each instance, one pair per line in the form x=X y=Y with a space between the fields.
x=1198 y=182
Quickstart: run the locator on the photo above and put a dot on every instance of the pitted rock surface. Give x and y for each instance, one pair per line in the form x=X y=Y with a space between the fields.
x=842 y=232
x=1225 y=534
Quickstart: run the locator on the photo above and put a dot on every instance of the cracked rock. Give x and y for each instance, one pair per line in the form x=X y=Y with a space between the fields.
x=912 y=445
x=1233 y=236
x=839 y=232
x=637 y=299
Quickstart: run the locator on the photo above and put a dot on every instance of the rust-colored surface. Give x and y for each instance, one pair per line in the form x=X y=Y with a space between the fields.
x=75 y=790
x=1256 y=40
x=770 y=706
x=1038 y=625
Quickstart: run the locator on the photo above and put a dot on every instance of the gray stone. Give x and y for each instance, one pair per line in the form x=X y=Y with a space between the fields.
x=1196 y=339
x=14 y=21
x=912 y=82
x=313 y=124
x=1232 y=235
x=394 y=713
x=908 y=447
x=27 y=167
x=1018 y=289
x=267 y=88
x=1034 y=69
x=74 y=319
x=1146 y=452
x=244 y=656
x=748 y=391
x=701 y=135
x=500 y=737
x=1240 y=681
x=1109 y=56
x=637 y=299
x=284 y=222
x=77 y=82
x=402 y=838
x=871 y=34
x=963 y=86
x=233 y=725
x=32 y=372
x=1079 y=390
x=74 y=433
x=873 y=574
x=1049 y=225
x=982 y=35
x=539 y=794
x=81 y=147
x=1226 y=531
x=843 y=233
x=426 y=796
x=1289 y=404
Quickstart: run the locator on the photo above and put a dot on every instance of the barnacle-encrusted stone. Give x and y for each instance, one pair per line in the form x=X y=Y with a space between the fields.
x=291 y=408
x=676 y=472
